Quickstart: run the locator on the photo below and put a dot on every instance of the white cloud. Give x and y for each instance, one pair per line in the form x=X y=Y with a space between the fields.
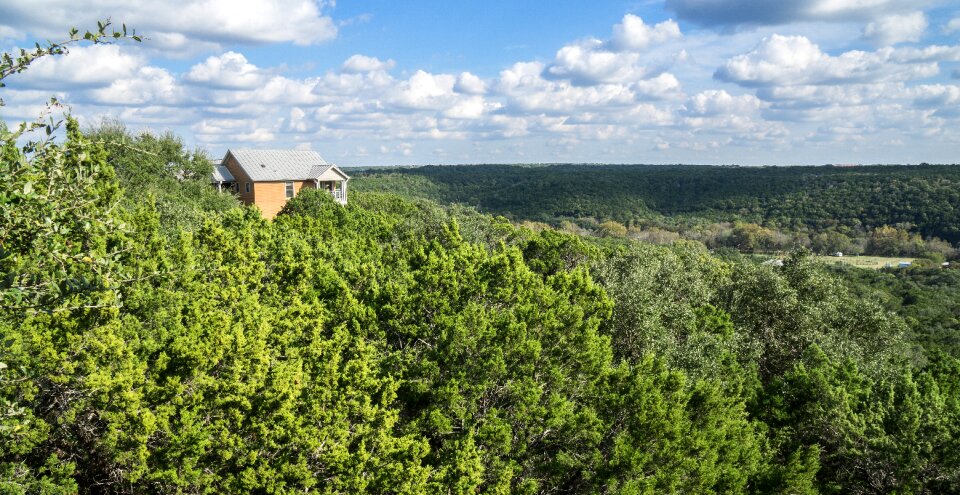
x=795 y=60
x=619 y=60
x=527 y=91
x=83 y=67
x=470 y=84
x=714 y=102
x=359 y=64
x=802 y=97
x=892 y=29
x=297 y=121
x=663 y=86
x=935 y=95
x=473 y=107
x=633 y=34
x=258 y=135
x=153 y=115
x=178 y=45
x=587 y=62
x=229 y=70
x=425 y=91
x=246 y=21
x=150 y=85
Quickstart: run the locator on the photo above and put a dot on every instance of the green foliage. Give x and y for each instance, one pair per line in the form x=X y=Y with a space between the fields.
x=773 y=208
x=58 y=243
x=780 y=313
x=882 y=436
x=159 y=167
x=157 y=338
x=927 y=299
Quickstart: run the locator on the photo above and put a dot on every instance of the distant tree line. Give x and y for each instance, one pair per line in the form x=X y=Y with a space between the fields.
x=880 y=210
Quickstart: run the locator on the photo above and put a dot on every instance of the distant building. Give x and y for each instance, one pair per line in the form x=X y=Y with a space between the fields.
x=904 y=264
x=269 y=178
x=838 y=254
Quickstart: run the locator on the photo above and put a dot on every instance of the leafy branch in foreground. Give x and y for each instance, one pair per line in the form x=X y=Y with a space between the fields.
x=56 y=200
x=11 y=64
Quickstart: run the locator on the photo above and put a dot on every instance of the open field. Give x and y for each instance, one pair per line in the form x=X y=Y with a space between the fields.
x=871 y=262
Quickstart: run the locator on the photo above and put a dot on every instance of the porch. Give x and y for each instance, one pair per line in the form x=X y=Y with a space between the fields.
x=336 y=188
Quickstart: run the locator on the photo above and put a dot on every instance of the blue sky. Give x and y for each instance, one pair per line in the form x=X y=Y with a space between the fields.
x=384 y=82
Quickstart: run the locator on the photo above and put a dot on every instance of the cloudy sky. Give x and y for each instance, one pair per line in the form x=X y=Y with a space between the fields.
x=384 y=82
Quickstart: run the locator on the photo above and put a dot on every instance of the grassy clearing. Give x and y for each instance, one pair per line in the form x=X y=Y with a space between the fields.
x=871 y=262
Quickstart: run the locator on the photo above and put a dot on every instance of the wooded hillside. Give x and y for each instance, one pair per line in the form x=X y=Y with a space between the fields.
x=884 y=210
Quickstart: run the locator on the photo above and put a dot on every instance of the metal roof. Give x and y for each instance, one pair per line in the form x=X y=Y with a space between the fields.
x=281 y=165
x=221 y=174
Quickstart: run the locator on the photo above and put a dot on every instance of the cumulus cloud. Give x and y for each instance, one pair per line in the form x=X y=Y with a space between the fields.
x=633 y=34
x=528 y=91
x=359 y=64
x=182 y=22
x=935 y=95
x=470 y=84
x=892 y=29
x=83 y=67
x=150 y=85
x=787 y=99
x=473 y=107
x=619 y=60
x=795 y=60
x=732 y=13
x=424 y=90
x=665 y=85
x=229 y=70
x=718 y=102
x=588 y=63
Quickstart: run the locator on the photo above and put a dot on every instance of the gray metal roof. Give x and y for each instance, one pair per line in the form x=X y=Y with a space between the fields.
x=280 y=165
x=221 y=174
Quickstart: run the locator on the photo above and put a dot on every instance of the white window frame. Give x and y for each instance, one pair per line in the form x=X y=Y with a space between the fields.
x=288 y=190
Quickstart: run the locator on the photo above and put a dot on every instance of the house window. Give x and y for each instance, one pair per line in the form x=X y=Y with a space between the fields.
x=289 y=190
x=248 y=187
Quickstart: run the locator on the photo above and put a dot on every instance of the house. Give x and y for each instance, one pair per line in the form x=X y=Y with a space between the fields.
x=222 y=178
x=268 y=178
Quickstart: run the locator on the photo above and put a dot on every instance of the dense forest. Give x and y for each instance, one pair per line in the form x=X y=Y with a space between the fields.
x=158 y=337
x=884 y=210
